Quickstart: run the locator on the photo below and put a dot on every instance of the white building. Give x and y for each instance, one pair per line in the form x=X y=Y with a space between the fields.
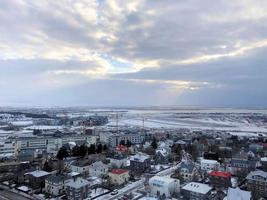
x=77 y=189
x=7 y=149
x=81 y=167
x=163 y=186
x=98 y=169
x=55 y=184
x=207 y=165
x=45 y=143
x=135 y=138
x=237 y=194
x=194 y=190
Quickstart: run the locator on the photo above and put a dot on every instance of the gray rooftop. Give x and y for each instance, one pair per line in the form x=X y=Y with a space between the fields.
x=57 y=178
x=257 y=173
x=188 y=165
x=38 y=173
x=139 y=158
x=78 y=183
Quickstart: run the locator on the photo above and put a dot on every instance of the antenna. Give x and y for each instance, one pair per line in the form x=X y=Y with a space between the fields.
x=143 y=123
x=117 y=122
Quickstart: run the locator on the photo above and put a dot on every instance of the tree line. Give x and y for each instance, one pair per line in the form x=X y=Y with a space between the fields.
x=80 y=151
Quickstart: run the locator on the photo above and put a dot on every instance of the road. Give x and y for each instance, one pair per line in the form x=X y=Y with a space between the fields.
x=8 y=195
x=129 y=188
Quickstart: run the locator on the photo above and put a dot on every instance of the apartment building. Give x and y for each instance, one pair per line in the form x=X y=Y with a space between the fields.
x=163 y=187
x=7 y=148
x=257 y=183
x=44 y=143
x=207 y=165
x=55 y=184
x=77 y=189
x=140 y=163
x=135 y=138
x=194 y=190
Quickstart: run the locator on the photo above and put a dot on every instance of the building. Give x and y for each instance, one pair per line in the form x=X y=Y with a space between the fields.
x=115 y=139
x=98 y=169
x=119 y=176
x=197 y=191
x=186 y=170
x=264 y=163
x=55 y=184
x=243 y=162
x=162 y=157
x=163 y=186
x=80 y=166
x=118 y=161
x=225 y=152
x=207 y=165
x=50 y=142
x=121 y=149
x=140 y=163
x=256 y=148
x=7 y=148
x=37 y=178
x=257 y=183
x=77 y=189
x=220 y=179
x=25 y=155
x=237 y=194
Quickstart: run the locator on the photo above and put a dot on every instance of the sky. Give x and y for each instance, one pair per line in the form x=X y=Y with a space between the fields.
x=133 y=53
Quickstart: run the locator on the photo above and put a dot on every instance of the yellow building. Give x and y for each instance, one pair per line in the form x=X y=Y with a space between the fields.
x=119 y=176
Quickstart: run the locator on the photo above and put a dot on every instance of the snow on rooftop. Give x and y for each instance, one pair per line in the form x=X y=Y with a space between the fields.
x=24 y=188
x=162 y=179
x=22 y=123
x=74 y=173
x=209 y=161
x=139 y=157
x=78 y=183
x=238 y=194
x=197 y=187
x=38 y=173
x=44 y=127
x=6 y=155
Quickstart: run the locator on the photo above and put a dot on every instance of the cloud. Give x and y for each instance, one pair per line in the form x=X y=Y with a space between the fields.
x=148 y=52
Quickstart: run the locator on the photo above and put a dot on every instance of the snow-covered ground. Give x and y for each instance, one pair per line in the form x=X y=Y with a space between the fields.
x=246 y=121
x=44 y=127
x=98 y=191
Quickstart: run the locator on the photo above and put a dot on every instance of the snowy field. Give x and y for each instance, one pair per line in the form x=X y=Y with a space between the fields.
x=246 y=121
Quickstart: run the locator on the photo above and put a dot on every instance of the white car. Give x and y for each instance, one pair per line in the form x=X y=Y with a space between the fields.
x=114 y=192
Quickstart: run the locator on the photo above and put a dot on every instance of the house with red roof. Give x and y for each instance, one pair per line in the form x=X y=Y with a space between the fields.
x=121 y=148
x=119 y=176
x=220 y=179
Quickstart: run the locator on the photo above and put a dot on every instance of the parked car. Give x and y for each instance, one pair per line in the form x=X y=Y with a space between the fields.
x=114 y=192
